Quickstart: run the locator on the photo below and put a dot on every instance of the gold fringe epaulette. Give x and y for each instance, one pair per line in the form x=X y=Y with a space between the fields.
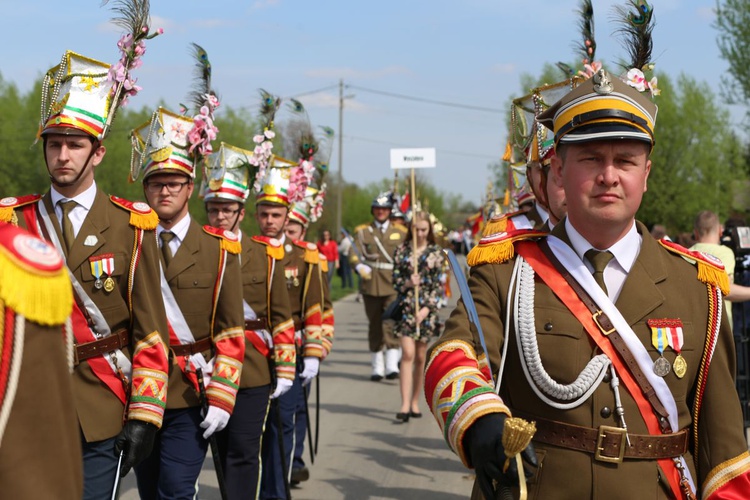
x=312 y=256
x=9 y=205
x=361 y=227
x=141 y=215
x=710 y=269
x=400 y=227
x=323 y=263
x=498 y=248
x=500 y=223
x=227 y=239
x=34 y=280
x=274 y=248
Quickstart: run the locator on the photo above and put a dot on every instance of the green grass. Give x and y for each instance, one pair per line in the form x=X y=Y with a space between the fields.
x=337 y=292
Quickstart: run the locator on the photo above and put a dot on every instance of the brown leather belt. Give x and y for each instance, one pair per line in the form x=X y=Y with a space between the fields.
x=116 y=340
x=608 y=330
x=256 y=324
x=609 y=444
x=196 y=347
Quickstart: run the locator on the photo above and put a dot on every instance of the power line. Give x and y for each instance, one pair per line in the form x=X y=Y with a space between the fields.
x=428 y=101
x=301 y=94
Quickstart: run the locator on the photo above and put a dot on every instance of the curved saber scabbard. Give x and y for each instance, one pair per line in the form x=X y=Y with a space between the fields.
x=471 y=309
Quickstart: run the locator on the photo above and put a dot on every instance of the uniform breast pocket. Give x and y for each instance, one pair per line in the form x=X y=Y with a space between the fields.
x=562 y=346
x=253 y=279
x=106 y=265
x=195 y=291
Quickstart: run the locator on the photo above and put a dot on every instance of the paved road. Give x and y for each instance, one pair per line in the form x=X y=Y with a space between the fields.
x=364 y=453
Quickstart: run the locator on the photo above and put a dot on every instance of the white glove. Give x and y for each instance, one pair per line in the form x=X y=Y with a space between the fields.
x=216 y=419
x=282 y=387
x=312 y=366
x=364 y=271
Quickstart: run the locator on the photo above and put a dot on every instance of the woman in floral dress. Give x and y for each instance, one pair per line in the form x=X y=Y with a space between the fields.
x=413 y=341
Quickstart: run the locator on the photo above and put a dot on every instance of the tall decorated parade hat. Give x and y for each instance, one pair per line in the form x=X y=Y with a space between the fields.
x=175 y=143
x=281 y=181
x=227 y=175
x=310 y=208
x=80 y=96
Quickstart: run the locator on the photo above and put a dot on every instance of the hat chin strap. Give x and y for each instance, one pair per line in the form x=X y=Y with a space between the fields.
x=83 y=170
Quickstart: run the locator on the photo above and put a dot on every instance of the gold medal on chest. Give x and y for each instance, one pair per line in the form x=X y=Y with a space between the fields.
x=680 y=366
x=109 y=284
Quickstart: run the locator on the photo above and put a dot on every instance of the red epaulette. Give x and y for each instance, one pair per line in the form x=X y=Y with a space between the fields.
x=273 y=246
x=9 y=205
x=142 y=216
x=229 y=241
x=710 y=268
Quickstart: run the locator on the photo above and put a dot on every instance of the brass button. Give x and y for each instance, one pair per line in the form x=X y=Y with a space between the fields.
x=548 y=327
x=606 y=412
x=195 y=283
x=255 y=280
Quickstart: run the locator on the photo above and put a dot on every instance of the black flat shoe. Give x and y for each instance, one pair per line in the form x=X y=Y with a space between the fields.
x=392 y=376
x=415 y=414
x=376 y=378
x=404 y=417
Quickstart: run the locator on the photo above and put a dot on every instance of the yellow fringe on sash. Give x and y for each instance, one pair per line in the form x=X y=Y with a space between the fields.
x=312 y=256
x=234 y=247
x=275 y=252
x=43 y=297
x=714 y=276
x=8 y=214
x=491 y=253
x=147 y=221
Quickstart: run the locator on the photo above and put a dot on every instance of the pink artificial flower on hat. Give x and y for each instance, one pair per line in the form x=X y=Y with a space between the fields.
x=636 y=79
x=590 y=69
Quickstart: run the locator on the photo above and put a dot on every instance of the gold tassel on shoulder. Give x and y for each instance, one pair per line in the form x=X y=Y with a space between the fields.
x=311 y=255
x=712 y=275
x=7 y=214
x=495 y=225
x=43 y=297
x=324 y=265
x=275 y=252
x=147 y=221
x=234 y=247
x=491 y=253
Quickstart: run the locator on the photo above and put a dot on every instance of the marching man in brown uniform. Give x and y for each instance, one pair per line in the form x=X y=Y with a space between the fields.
x=268 y=320
x=40 y=449
x=628 y=373
x=201 y=286
x=110 y=251
x=376 y=243
x=276 y=192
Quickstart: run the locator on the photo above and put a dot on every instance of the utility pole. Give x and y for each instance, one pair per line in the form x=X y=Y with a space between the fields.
x=341 y=160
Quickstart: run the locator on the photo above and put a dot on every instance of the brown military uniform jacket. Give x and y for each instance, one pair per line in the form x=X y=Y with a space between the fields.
x=270 y=300
x=305 y=291
x=107 y=229
x=40 y=452
x=192 y=276
x=381 y=283
x=660 y=285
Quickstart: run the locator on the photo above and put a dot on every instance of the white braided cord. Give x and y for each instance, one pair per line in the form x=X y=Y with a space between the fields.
x=506 y=326
x=15 y=371
x=575 y=393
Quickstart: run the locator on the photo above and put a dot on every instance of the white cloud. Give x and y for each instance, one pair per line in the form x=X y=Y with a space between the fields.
x=351 y=73
x=326 y=100
x=706 y=13
x=264 y=4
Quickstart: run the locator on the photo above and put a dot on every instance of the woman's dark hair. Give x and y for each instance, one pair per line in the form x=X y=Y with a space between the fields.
x=420 y=216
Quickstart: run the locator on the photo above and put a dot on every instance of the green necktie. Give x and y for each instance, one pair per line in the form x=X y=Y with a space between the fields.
x=166 y=237
x=599 y=260
x=68 y=233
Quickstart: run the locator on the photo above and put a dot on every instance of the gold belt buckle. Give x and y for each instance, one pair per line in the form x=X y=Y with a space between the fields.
x=603 y=431
x=605 y=332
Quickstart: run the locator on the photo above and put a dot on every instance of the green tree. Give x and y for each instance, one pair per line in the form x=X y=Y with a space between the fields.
x=733 y=26
x=696 y=157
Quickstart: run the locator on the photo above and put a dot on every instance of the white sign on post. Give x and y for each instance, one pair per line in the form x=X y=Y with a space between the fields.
x=412 y=158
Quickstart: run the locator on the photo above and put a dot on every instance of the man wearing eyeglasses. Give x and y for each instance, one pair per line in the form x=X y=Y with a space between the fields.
x=201 y=286
x=268 y=321
x=110 y=251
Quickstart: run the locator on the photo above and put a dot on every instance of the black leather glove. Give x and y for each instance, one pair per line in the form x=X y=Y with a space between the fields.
x=484 y=444
x=136 y=440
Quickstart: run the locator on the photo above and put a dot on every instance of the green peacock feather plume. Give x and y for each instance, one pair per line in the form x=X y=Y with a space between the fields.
x=587 y=49
x=637 y=26
x=268 y=107
x=199 y=95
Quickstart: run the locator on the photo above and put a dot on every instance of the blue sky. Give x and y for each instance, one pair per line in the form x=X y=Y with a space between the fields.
x=470 y=52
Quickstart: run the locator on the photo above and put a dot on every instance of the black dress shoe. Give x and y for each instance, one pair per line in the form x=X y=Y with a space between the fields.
x=392 y=376
x=376 y=378
x=415 y=414
x=404 y=417
x=299 y=475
